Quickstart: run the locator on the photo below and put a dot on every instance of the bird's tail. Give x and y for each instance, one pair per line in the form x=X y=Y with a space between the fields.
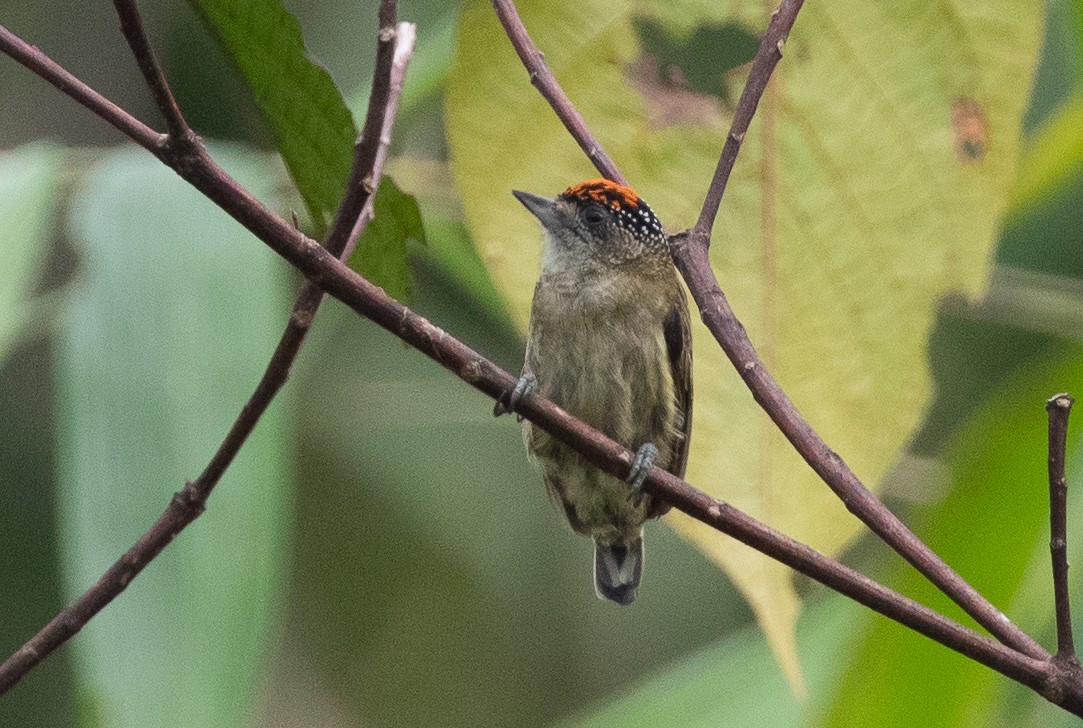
x=617 y=569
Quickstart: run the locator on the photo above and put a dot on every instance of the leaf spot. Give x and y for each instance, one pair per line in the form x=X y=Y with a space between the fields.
x=969 y=129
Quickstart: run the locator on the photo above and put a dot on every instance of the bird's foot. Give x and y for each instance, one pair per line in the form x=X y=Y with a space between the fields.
x=642 y=464
x=510 y=400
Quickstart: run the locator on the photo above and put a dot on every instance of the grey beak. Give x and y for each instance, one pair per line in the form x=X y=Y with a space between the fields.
x=541 y=207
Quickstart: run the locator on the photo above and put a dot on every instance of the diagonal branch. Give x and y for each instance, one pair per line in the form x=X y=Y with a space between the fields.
x=546 y=83
x=49 y=70
x=690 y=255
x=371 y=302
x=767 y=57
x=1059 y=407
x=395 y=46
x=689 y=250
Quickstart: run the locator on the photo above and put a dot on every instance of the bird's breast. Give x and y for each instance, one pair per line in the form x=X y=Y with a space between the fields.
x=601 y=355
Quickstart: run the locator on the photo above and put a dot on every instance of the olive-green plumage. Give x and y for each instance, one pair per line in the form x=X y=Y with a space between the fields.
x=609 y=342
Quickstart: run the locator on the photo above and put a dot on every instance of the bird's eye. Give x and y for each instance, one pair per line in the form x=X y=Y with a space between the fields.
x=594 y=216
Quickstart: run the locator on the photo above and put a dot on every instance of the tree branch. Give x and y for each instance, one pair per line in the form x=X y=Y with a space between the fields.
x=1059 y=407
x=689 y=250
x=546 y=83
x=325 y=270
x=131 y=25
x=690 y=255
x=394 y=48
x=767 y=57
x=46 y=68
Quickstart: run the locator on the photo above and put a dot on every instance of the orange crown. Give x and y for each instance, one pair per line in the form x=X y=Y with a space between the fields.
x=604 y=191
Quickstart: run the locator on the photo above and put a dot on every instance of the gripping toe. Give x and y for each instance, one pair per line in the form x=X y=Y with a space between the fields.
x=510 y=400
x=641 y=465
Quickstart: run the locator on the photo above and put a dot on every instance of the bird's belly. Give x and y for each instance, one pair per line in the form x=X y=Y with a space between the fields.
x=609 y=367
x=621 y=385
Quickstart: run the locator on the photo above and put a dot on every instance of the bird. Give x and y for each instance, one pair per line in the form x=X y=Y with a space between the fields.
x=609 y=341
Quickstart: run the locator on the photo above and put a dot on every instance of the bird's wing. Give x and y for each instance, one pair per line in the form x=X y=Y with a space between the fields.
x=678 y=334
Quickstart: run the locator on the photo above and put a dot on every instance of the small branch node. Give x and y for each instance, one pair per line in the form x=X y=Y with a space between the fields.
x=1061 y=401
x=472 y=372
x=302 y=319
x=388 y=34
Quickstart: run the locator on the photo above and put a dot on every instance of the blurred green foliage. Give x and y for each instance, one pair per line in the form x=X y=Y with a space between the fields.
x=143 y=396
x=381 y=553
x=993 y=527
x=29 y=179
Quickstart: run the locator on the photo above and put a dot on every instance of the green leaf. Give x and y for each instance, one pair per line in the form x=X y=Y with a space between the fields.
x=381 y=252
x=868 y=187
x=993 y=529
x=453 y=250
x=30 y=569
x=174 y=315
x=311 y=124
x=1053 y=157
x=28 y=182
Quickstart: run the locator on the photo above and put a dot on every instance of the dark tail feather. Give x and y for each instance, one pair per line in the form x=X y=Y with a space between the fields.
x=617 y=569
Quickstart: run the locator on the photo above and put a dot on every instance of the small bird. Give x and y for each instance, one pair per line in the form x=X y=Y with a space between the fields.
x=609 y=341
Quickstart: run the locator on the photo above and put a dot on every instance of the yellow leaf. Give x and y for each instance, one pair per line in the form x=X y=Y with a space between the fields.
x=870 y=184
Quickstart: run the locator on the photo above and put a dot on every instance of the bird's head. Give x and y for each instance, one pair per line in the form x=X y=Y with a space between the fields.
x=598 y=222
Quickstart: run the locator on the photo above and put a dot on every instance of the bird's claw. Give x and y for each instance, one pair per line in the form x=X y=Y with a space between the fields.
x=510 y=400
x=641 y=464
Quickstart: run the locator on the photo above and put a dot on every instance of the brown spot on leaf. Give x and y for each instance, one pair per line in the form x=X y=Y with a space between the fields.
x=969 y=130
x=671 y=100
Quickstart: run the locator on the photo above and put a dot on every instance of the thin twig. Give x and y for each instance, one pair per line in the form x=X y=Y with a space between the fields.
x=546 y=83
x=763 y=65
x=690 y=255
x=395 y=47
x=131 y=25
x=373 y=303
x=1059 y=408
x=364 y=178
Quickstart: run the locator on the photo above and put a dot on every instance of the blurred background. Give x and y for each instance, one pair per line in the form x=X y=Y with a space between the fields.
x=381 y=553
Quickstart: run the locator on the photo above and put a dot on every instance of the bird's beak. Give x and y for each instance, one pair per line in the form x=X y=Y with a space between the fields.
x=541 y=207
